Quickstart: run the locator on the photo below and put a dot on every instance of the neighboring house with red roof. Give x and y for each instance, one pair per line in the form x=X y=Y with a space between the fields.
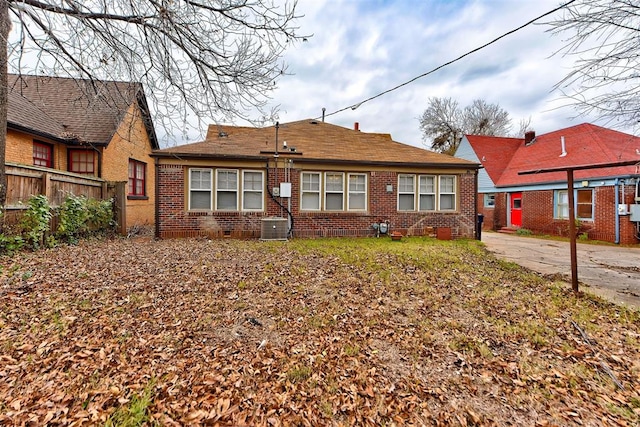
x=604 y=197
x=310 y=179
x=80 y=129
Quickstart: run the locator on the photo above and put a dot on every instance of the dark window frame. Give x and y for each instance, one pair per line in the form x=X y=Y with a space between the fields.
x=72 y=165
x=133 y=181
x=48 y=160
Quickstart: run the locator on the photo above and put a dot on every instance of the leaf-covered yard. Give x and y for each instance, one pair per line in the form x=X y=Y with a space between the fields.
x=306 y=332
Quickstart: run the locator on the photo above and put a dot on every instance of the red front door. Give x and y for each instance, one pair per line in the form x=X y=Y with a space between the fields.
x=515 y=202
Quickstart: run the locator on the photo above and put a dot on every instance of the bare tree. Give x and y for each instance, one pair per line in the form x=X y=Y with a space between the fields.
x=444 y=123
x=212 y=60
x=604 y=37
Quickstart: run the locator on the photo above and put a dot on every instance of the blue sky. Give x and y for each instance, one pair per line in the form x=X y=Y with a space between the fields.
x=360 y=48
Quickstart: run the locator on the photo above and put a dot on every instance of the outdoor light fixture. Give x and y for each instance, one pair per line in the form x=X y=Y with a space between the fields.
x=389 y=188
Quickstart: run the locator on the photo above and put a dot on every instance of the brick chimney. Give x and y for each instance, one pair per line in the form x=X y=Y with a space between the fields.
x=356 y=126
x=529 y=136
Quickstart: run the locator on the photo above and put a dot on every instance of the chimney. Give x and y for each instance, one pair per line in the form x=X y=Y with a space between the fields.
x=529 y=136
x=356 y=126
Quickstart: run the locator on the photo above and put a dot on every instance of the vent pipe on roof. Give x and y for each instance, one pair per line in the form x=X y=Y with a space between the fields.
x=323 y=110
x=564 y=151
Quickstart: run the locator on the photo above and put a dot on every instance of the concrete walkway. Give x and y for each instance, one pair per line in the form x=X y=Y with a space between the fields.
x=611 y=272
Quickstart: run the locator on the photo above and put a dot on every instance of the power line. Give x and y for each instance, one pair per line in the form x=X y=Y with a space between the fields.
x=356 y=105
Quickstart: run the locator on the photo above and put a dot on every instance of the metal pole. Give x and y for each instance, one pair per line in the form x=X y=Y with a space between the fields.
x=572 y=232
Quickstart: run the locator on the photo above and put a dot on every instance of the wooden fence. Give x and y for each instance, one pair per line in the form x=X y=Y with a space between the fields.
x=24 y=181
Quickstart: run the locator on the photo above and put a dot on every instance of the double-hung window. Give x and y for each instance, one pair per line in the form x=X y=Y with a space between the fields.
x=427 y=189
x=334 y=191
x=200 y=186
x=310 y=191
x=447 y=193
x=42 y=154
x=357 y=200
x=489 y=200
x=406 y=192
x=137 y=178
x=583 y=204
x=82 y=161
x=252 y=190
x=226 y=190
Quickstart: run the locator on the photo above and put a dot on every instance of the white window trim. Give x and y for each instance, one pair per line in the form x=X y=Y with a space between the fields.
x=365 y=192
x=454 y=193
x=237 y=190
x=486 y=197
x=210 y=190
x=261 y=191
x=413 y=176
x=327 y=192
x=556 y=204
x=303 y=191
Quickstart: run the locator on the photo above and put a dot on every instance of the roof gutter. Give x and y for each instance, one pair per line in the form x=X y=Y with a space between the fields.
x=297 y=159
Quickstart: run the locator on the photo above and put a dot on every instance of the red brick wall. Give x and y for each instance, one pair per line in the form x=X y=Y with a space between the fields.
x=537 y=215
x=174 y=220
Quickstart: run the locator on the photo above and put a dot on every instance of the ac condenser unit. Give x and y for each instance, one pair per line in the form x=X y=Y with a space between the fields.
x=274 y=228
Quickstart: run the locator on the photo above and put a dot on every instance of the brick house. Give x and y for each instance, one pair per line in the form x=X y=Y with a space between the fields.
x=313 y=179
x=606 y=199
x=84 y=128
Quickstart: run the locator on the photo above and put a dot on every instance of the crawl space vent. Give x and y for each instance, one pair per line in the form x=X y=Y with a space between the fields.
x=274 y=228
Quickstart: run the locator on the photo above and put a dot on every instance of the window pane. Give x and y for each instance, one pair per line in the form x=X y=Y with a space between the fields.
x=357 y=201
x=252 y=200
x=253 y=181
x=226 y=200
x=334 y=202
x=489 y=200
x=584 y=211
x=584 y=196
x=427 y=184
x=405 y=183
x=447 y=184
x=357 y=183
x=427 y=202
x=310 y=182
x=311 y=201
x=201 y=180
x=200 y=200
x=405 y=202
x=447 y=202
x=227 y=180
x=334 y=182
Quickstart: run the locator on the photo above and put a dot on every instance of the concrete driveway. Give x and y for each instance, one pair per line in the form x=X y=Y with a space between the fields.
x=611 y=272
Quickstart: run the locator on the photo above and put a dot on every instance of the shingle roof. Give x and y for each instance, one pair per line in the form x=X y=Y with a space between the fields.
x=313 y=141
x=69 y=109
x=585 y=144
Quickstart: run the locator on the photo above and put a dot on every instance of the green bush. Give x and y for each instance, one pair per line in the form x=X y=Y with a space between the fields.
x=80 y=216
x=524 y=232
x=35 y=221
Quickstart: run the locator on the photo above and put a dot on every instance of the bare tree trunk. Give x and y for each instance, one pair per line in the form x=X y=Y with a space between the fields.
x=5 y=26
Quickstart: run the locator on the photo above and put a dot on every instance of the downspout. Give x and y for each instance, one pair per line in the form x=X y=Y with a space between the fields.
x=475 y=209
x=157 y=201
x=615 y=207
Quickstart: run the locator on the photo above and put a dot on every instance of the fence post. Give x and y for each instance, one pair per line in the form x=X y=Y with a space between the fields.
x=47 y=187
x=120 y=202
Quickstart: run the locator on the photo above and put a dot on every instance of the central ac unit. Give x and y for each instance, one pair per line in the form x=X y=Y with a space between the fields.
x=274 y=228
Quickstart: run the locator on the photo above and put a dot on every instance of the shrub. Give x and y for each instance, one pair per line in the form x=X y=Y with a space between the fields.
x=80 y=216
x=35 y=221
x=524 y=232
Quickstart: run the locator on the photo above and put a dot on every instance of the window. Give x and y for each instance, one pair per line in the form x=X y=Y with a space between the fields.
x=310 y=191
x=200 y=189
x=584 y=207
x=42 y=154
x=406 y=192
x=82 y=161
x=137 y=172
x=252 y=189
x=447 y=193
x=434 y=193
x=334 y=191
x=427 y=189
x=226 y=190
x=489 y=200
x=583 y=203
x=357 y=200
